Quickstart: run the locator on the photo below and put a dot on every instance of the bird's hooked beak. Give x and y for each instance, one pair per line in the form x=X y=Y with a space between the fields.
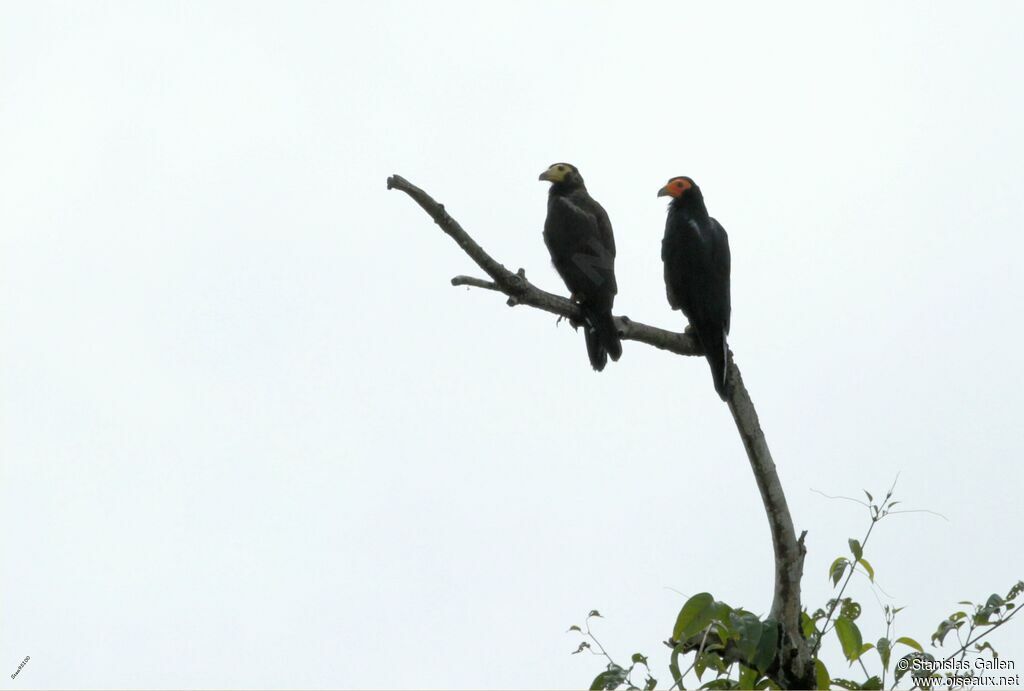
x=557 y=172
x=554 y=174
x=663 y=192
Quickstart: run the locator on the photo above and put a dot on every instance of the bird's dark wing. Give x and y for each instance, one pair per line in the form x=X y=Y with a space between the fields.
x=721 y=268
x=604 y=225
x=579 y=238
x=670 y=279
x=607 y=239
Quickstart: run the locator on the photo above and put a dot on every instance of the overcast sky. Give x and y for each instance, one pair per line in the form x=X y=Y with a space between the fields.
x=251 y=437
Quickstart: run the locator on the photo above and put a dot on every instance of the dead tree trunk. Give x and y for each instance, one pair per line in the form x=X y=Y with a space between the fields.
x=795 y=666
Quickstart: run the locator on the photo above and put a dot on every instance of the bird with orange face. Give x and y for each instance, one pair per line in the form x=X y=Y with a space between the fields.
x=695 y=252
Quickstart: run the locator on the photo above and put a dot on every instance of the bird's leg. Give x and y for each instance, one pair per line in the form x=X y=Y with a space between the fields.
x=576 y=298
x=691 y=331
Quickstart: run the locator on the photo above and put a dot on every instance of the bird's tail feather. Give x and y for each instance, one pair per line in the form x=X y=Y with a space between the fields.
x=595 y=349
x=716 y=349
x=609 y=334
x=602 y=338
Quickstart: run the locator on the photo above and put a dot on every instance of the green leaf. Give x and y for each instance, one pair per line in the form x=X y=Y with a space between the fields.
x=945 y=626
x=870 y=498
x=982 y=647
x=872 y=684
x=849 y=638
x=748 y=677
x=719 y=684
x=583 y=646
x=821 y=675
x=594 y=613
x=715 y=662
x=695 y=614
x=850 y=609
x=845 y=684
x=857 y=550
x=750 y=629
x=884 y=648
x=574 y=628
x=903 y=666
x=651 y=684
x=700 y=664
x=720 y=615
x=867 y=567
x=610 y=679
x=721 y=612
x=835 y=572
x=806 y=624
x=915 y=663
x=673 y=666
x=767 y=646
x=983 y=616
x=639 y=659
x=908 y=641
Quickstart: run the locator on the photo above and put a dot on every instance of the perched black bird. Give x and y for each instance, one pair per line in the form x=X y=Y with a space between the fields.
x=696 y=255
x=579 y=238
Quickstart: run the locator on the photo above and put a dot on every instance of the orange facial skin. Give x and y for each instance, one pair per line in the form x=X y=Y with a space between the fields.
x=675 y=187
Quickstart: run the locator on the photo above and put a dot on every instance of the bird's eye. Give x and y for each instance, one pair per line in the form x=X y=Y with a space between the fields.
x=561 y=167
x=679 y=184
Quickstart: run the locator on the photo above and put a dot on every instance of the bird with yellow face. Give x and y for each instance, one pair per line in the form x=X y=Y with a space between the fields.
x=579 y=238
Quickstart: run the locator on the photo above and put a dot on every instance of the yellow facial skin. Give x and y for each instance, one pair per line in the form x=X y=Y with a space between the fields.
x=556 y=173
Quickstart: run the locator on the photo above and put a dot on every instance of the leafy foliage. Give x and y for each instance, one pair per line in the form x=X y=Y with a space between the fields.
x=729 y=647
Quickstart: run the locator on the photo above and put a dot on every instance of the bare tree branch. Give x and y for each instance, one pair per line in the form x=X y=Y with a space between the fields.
x=795 y=658
x=795 y=667
x=521 y=292
x=475 y=282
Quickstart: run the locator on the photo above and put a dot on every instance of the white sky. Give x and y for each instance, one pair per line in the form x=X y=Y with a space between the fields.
x=250 y=436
